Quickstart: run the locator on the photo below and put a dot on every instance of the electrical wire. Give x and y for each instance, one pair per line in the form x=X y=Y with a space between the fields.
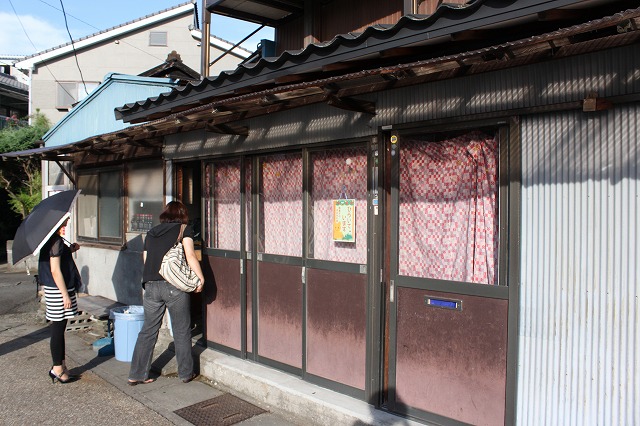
x=98 y=29
x=36 y=49
x=73 y=47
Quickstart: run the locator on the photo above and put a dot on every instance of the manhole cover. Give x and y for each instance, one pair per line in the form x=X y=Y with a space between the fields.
x=224 y=410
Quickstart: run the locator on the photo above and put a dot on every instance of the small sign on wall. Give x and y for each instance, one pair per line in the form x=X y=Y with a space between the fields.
x=344 y=220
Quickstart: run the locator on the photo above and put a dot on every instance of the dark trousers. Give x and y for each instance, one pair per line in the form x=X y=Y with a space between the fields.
x=57 y=341
x=158 y=296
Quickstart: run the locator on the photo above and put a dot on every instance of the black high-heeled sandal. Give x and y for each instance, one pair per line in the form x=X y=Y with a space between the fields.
x=55 y=377
x=71 y=376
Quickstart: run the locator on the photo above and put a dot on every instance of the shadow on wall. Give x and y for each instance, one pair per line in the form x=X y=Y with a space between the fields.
x=127 y=273
x=84 y=276
x=210 y=291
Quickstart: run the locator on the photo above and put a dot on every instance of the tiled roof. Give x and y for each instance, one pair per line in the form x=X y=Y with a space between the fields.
x=411 y=30
x=10 y=83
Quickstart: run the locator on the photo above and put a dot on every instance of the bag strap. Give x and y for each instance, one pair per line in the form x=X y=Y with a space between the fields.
x=182 y=227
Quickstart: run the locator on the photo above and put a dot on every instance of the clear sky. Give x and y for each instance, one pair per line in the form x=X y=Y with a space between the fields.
x=31 y=26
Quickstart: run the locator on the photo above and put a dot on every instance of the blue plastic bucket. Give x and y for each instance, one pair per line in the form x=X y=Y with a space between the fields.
x=128 y=322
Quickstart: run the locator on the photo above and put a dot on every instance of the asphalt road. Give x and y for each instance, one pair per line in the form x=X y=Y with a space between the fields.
x=18 y=293
x=102 y=395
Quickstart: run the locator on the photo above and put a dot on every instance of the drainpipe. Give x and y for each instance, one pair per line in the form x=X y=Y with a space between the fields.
x=205 y=41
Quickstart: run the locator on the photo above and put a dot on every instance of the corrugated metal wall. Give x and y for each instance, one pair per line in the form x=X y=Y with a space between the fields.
x=608 y=73
x=579 y=361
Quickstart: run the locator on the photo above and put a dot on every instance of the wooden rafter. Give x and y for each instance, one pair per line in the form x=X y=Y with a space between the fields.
x=228 y=130
x=350 y=104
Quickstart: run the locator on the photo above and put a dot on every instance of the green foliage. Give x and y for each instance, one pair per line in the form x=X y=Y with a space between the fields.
x=16 y=138
x=21 y=178
x=23 y=201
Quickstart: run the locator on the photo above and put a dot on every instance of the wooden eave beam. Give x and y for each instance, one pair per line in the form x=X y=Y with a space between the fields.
x=57 y=157
x=299 y=93
x=228 y=130
x=351 y=104
x=222 y=109
x=97 y=151
x=434 y=68
x=122 y=141
x=270 y=99
x=331 y=88
x=228 y=118
x=145 y=140
x=403 y=74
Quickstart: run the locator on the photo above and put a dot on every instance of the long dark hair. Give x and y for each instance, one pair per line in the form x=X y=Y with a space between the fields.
x=174 y=212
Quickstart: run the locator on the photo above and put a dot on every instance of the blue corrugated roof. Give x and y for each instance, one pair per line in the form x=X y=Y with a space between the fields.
x=94 y=114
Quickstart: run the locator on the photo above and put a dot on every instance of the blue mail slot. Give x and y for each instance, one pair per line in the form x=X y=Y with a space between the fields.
x=438 y=302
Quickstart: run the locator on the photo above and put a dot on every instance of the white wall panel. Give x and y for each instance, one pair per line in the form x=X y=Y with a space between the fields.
x=580 y=315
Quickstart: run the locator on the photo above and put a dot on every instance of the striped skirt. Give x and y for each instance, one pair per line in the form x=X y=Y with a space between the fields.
x=55 y=307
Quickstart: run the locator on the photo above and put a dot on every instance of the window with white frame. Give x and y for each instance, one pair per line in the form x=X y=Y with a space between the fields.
x=157 y=38
x=72 y=92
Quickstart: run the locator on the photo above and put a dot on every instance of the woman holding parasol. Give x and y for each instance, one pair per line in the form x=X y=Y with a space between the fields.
x=41 y=233
x=60 y=277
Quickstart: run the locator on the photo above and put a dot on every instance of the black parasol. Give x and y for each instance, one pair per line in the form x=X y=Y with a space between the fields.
x=45 y=218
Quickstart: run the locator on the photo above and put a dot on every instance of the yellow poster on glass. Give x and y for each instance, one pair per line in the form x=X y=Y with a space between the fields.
x=344 y=220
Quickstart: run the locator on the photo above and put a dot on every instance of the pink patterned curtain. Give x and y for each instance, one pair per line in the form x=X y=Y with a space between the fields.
x=339 y=174
x=226 y=205
x=248 y=207
x=281 y=205
x=449 y=209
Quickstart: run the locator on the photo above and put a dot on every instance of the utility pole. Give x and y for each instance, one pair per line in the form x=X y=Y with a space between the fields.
x=205 y=41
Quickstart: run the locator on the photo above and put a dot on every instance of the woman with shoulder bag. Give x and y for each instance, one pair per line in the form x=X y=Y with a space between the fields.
x=160 y=294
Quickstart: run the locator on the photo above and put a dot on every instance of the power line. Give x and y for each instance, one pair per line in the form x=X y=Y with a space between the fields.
x=98 y=29
x=73 y=47
x=35 y=48
x=22 y=26
x=68 y=14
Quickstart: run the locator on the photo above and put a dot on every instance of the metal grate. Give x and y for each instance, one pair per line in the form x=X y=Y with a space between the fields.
x=223 y=410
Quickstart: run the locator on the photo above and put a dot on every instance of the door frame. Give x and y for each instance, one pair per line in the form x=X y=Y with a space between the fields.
x=509 y=187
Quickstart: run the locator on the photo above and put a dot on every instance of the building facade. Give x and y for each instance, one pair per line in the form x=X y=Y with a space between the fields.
x=438 y=216
x=57 y=81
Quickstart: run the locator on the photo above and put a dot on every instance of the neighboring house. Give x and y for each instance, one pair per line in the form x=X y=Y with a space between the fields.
x=100 y=204
x=94 y=114
x=57 y=82
x=6 y=67
x=175 y=69
x=14 y=100
x=14 y=91
x=437 y=214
